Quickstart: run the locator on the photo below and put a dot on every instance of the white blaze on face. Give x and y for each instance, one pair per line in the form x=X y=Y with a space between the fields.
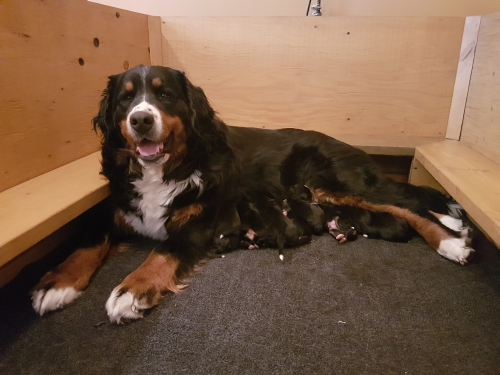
x=156 y=130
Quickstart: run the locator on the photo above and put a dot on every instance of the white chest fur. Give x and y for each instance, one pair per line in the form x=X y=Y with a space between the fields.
x=155 y=196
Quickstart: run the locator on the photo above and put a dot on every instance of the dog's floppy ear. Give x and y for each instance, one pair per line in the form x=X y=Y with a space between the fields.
x=200 y=108
x=204 y=124
x=200 y=112
x=104 y=119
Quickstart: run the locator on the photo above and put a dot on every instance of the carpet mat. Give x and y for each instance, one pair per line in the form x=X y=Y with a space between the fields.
x=364 y=307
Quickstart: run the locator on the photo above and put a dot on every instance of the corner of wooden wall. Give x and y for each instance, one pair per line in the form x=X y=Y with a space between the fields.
x=462 y=81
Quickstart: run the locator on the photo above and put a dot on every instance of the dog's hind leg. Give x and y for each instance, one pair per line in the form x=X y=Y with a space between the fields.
x=66 y=282
x=454 y=224
x=438 y=237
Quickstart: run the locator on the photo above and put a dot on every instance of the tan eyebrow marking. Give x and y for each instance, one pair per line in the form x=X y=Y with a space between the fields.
x=129 y=86
x=156 y=82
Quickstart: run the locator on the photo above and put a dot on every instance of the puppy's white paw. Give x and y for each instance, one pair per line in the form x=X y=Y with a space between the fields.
x=122 y=305
x=53 y=299
x=456 y=250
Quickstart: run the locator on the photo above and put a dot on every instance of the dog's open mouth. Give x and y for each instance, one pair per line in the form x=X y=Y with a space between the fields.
x=150 y=151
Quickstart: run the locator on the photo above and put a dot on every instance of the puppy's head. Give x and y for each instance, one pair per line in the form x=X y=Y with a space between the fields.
x=152 y=112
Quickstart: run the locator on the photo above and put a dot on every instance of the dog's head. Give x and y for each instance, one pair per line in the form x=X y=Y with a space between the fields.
x=154 y=113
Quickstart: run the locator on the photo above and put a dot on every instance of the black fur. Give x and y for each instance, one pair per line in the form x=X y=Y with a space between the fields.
x=254 y=165
x=373 y=224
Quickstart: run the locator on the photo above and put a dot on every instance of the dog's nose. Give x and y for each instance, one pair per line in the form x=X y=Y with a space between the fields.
x=142 y=121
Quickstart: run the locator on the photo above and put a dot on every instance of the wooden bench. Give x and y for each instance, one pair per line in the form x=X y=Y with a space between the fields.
x=467 y=164
x=33 y=210
x=469 y=177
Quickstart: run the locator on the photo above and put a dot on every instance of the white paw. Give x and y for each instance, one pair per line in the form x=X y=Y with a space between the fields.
x=53 y=299
x=457 y=225
x=124 y=306
x=452 y=223
x=455 y=249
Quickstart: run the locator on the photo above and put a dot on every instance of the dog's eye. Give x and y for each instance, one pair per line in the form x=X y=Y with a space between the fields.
x=165 y=96
x=128 y=97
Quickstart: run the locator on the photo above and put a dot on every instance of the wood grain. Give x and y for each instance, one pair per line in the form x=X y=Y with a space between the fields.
x=467 y=53
x=481 y=127
x=38 y=207
x=385 y=145
x=370 y=76
x=47 y=98
x=155 y=37
x=11 y=269
x=469 y=177
x=419 y=176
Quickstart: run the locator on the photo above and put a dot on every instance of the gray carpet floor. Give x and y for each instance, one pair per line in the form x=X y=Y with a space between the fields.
x=365 y=307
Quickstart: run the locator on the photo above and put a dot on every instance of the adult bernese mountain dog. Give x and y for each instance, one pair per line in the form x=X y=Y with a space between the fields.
x=177 y=174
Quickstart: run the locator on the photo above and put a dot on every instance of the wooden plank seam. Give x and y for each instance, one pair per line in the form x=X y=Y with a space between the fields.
x=464 y=73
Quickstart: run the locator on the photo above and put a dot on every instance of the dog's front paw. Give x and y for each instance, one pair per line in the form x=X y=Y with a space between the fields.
x=344 y=236
x=51 y=294
x=123 y=305
x=44 y=300
x=456 y=249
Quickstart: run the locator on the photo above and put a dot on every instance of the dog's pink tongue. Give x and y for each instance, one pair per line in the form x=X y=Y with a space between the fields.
x=149 y=148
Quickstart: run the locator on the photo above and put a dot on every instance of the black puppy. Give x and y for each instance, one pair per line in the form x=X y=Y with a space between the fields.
x=312 y=214
x=301 y=222
x=227 y=234
x=342 y=220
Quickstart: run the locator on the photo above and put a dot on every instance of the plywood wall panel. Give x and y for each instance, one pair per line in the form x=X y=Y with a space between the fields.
x=375 y=76
x=462 y=81
x=481 y=126
x=47 y=95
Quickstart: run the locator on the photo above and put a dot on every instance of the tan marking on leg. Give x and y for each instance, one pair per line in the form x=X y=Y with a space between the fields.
x=143 y=288
x=76 y=270
x=156 y=275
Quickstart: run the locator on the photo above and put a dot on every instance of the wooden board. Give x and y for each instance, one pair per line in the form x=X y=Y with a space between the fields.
x=385 y=145
x=469 y=177
x=419 y=176
x=467 y=53
x=155 y=37
x=47 y=98
x=36 y=208
x=355 y=76
x=481 y=127
x=12 y=268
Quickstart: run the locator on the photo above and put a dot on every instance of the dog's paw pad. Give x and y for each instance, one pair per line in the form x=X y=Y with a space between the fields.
x=44 y=300
x=456 y=249
x=341 y=238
